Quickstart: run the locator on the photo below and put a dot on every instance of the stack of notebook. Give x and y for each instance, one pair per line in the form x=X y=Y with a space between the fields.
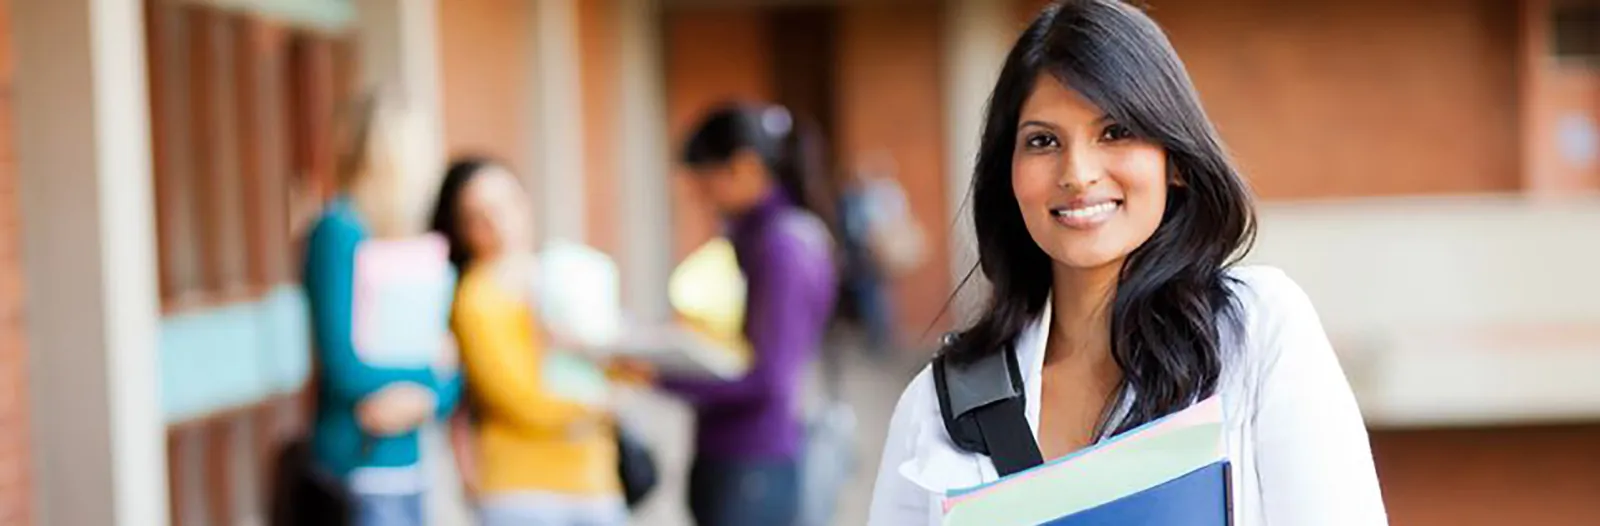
x=1171 y=471
x=579 y=291
x=402 y=291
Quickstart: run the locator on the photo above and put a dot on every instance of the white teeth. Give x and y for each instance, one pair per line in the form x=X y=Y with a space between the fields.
x=1087 y=211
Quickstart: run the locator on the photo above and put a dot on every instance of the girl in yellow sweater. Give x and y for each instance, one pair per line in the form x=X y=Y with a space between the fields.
x=544 y=447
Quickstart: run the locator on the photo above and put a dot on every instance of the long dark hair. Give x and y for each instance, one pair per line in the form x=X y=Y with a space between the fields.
x=789 y=146
x=447 y=211
x=1173 y=303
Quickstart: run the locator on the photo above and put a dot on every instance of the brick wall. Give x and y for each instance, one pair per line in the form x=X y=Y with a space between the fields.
x=1529 y=476
x=14 y=486
x=1356 y=98
x=712 y=56
x=484 y=74
x=890 y=102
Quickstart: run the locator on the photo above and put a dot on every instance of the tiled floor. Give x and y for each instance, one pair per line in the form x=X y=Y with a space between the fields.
x=871 y=387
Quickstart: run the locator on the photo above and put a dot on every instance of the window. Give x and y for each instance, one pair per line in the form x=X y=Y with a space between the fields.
x=242 y=112
x=1575 y=33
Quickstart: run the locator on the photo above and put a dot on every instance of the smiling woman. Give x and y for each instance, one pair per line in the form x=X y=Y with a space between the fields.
x=1108 y=218
x=1077 y=168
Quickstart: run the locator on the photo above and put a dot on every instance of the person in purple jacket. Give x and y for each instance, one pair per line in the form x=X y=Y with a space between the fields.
x=753 y=165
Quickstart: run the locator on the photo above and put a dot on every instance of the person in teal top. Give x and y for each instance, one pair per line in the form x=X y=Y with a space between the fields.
x=340 y=443
x=368 y=418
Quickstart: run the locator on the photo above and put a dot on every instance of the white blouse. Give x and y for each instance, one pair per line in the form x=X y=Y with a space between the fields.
x=1294 y=434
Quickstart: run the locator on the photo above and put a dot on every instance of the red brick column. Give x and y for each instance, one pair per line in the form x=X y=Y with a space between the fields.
x=15 y=491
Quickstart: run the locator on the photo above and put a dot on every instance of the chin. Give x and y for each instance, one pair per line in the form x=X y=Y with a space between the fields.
x=1085 y=258
x=1087 y=264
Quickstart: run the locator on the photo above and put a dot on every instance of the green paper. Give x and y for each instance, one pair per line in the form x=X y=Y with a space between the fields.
x=575 y=379
x=1092 y=480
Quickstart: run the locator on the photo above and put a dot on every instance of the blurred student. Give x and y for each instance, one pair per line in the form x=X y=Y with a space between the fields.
x=755 y=168
x=881 y=242
x=544 y=445
x=366 y=430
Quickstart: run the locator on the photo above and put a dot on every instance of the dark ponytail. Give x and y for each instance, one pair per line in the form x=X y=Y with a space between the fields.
x=789 y=146
x=447 y=210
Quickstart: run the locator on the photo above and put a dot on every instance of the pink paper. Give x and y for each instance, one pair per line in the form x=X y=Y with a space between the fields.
x=401 y=301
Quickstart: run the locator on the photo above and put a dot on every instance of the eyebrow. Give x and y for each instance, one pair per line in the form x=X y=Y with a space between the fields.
x=1105 y=118
x=1040 y=124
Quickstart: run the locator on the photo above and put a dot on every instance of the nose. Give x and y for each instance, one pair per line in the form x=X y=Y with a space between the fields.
x=1080 y=169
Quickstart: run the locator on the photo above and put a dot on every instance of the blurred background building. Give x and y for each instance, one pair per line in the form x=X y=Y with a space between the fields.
x=1428 y=172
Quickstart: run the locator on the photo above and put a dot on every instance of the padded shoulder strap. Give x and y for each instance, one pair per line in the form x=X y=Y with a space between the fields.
x=983 y=406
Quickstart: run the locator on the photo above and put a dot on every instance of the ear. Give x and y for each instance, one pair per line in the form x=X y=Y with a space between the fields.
x=1175 y=178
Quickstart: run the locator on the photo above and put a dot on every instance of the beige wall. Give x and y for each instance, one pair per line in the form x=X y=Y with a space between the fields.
x=485 y=64
x=84 y=190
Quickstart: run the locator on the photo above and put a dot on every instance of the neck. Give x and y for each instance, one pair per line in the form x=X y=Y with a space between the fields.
x=768 y=199
x=511 y=270
x=377 y=201
x=1080 y=319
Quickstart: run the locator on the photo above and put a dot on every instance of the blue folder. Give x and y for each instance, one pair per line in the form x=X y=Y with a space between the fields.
x=1200 y=498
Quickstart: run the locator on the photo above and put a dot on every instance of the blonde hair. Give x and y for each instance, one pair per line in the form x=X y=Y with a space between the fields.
x=375 y=167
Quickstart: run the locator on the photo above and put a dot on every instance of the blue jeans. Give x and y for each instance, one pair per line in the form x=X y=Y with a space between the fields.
x=875 y=310
x=745 y=492
x=545 y=509
x=389 y=510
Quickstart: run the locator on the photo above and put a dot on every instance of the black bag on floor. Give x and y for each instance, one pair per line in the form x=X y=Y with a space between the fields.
x=303 y=494
x=636 y=465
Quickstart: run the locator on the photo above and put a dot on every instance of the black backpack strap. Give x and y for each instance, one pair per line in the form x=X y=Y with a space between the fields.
x=984 y=409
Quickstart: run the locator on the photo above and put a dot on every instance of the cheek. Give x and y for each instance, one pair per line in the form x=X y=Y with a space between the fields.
x=715 y=189
x=702 y=187
x=481 y=235
x=1141 y=172
x=1033 y=180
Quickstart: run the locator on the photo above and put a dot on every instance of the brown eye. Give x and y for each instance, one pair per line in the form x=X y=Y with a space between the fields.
x=1041 y=141
x=1115 y=132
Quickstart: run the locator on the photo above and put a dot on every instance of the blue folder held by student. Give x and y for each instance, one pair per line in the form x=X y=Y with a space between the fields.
x=1199 y=498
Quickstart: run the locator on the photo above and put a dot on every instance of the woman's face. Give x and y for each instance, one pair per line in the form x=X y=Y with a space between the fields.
x=734 y=186
x=1089 y=191
x=495 y=215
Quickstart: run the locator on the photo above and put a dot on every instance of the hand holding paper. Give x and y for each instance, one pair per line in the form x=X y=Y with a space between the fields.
x=577 y=290
x=396 y=409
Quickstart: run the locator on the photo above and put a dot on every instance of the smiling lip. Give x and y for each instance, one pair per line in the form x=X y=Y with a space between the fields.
x=1084 y=214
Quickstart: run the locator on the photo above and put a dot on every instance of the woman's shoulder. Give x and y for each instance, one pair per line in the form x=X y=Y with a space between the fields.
x=801 y=230
x=480 y=290
x=1268 y=299
x=918 y=407
x=918 y=398
x=1275 y=315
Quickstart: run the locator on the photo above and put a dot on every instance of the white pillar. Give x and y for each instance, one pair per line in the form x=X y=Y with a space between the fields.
x=83 y=142
x=556 y=120
x=645 y=188
x=978 y=35
x=399 y=50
